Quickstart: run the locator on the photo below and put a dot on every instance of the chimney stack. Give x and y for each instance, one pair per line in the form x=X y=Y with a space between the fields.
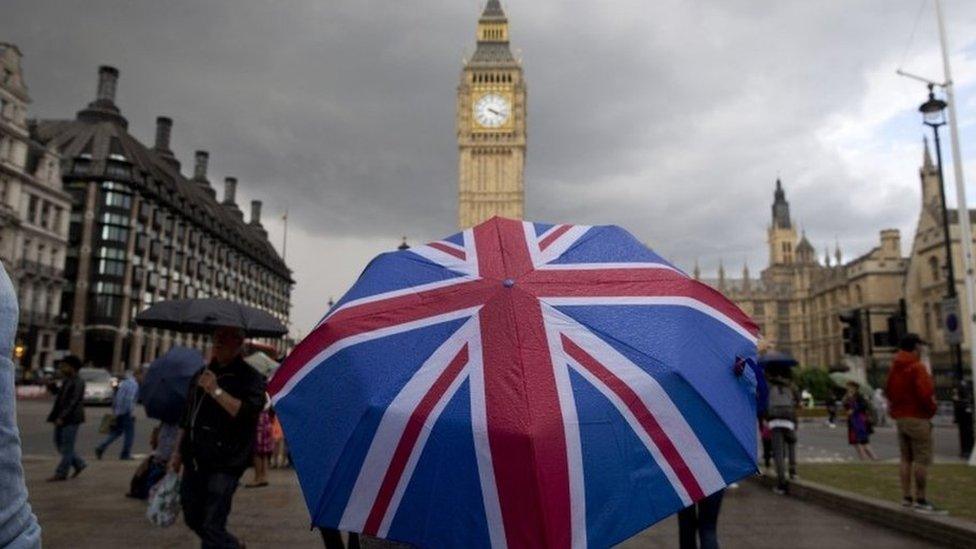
x=255 y=212
x=164 y=127
x=200 y=165
x=108 y=77
x=230 y=190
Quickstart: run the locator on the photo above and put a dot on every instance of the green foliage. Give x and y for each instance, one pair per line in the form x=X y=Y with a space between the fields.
x=815 y=380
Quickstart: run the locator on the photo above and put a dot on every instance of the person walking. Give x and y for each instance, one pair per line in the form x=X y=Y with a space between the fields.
x=216 y=438
x=162 y=441
x=859 y=427
x=123 y=408
x=831 y=405
x=18 y=524
x=911 y=403
x=280 y=456
x=263 y=448
x=880 y=404
x=783 y=402
x=67 y=415
x=698 y=523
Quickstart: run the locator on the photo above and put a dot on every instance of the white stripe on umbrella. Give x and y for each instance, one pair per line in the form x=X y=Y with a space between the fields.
x=482 y=449
x=390 y=431
x=654 y=398
x=341 y=344
x=574 y=449
x=679 y=301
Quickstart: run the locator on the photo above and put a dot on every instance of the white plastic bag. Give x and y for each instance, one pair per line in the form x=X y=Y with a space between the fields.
x=164 y=501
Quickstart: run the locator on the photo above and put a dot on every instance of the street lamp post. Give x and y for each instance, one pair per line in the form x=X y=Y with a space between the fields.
x=933 y=114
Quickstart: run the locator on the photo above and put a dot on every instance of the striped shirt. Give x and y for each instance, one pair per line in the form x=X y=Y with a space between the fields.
x=125 y=396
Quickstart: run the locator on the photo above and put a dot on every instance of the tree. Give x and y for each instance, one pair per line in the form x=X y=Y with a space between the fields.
x=817 y=381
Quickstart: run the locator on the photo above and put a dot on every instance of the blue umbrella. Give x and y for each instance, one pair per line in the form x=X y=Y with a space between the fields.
x=521 y=385
x=164 y=389
x=777 y=358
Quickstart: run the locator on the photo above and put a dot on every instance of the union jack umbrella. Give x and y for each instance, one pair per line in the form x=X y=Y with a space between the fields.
x=519 y=384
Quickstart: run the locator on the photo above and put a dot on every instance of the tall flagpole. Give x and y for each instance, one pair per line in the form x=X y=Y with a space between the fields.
x=284 y=237
x=965 y=230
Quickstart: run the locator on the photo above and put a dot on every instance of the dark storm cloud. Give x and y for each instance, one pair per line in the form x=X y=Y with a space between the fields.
x=670 y=118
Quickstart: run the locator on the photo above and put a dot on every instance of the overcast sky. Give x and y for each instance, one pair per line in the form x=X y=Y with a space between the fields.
x=670 y=118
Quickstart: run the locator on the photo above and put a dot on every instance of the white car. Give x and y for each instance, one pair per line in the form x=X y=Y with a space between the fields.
x=99 y=385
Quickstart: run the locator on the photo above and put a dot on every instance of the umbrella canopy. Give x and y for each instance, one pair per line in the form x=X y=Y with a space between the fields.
x=519 y=384
x=843 y=378
x=773 y=359
x=164 y=389
x=261 y=362
x=204 y=315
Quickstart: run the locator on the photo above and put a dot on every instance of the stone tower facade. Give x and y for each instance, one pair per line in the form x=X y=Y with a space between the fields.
x=782 y=235
x=491 y=126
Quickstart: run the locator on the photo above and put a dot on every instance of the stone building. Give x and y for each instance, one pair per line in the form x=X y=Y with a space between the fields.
x=491 y=126
x=926 y=282
x=797 y=299
x=141 y=232
x=33 y=220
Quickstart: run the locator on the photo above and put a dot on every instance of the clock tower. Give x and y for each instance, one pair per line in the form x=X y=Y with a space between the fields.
x=491 y=126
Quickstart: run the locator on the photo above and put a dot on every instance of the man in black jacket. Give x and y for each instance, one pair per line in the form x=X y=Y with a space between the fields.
x=67 y=415
x=217 y=438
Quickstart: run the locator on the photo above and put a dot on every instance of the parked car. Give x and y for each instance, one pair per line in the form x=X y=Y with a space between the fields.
x=99 y=385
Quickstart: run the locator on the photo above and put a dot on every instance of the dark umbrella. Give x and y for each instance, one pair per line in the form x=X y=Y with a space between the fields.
x=164 y=389
x=772 y=359
x=204 y=315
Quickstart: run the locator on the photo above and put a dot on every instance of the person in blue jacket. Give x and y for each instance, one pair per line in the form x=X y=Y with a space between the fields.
x=18 y=525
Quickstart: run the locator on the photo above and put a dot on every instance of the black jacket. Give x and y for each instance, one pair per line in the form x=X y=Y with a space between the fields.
x=68 y=405
x=213 y=440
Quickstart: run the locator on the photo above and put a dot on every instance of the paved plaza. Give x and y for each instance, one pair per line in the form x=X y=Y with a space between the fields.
x=90 y=511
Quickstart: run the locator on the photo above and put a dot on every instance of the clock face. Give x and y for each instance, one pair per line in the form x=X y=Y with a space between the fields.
x=492 y=110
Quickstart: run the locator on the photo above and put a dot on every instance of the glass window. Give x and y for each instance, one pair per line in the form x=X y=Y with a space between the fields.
x=107 y=306
x=118 y=169
x=32 y=209
x=115 y=219
x=934 y=268
x=115 y=234
x=45 y=213
x=118 y=200
x=102 y=287
x=111 y=267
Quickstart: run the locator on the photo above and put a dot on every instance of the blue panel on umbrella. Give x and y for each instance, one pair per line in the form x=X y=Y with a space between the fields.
x=346 y=396
x=411 y=270
x=625 y=489
x=456 y=238
x=443 y=503
x=666 y=338
x=609 y=244
x=542 y=227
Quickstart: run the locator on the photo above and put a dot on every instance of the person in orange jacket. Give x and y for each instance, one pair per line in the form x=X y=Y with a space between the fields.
x=911 y=396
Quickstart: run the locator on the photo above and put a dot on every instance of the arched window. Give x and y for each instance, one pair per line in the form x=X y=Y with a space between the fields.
x=927 y=320
x=934 y=268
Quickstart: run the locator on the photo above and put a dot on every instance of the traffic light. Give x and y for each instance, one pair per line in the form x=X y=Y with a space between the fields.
x=19 y=351
x=852 y=332
x=897 y=325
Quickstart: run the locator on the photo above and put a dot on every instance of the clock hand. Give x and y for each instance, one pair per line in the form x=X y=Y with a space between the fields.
x=493 y=111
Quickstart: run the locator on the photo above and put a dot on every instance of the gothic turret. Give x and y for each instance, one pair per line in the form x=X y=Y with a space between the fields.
x=781 y=234
x=781 y=208
x=804 y=250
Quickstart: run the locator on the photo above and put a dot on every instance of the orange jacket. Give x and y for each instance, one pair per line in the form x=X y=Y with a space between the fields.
x=909 y=389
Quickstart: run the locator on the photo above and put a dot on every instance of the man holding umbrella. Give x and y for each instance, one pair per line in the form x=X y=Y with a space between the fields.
x=217 y=436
